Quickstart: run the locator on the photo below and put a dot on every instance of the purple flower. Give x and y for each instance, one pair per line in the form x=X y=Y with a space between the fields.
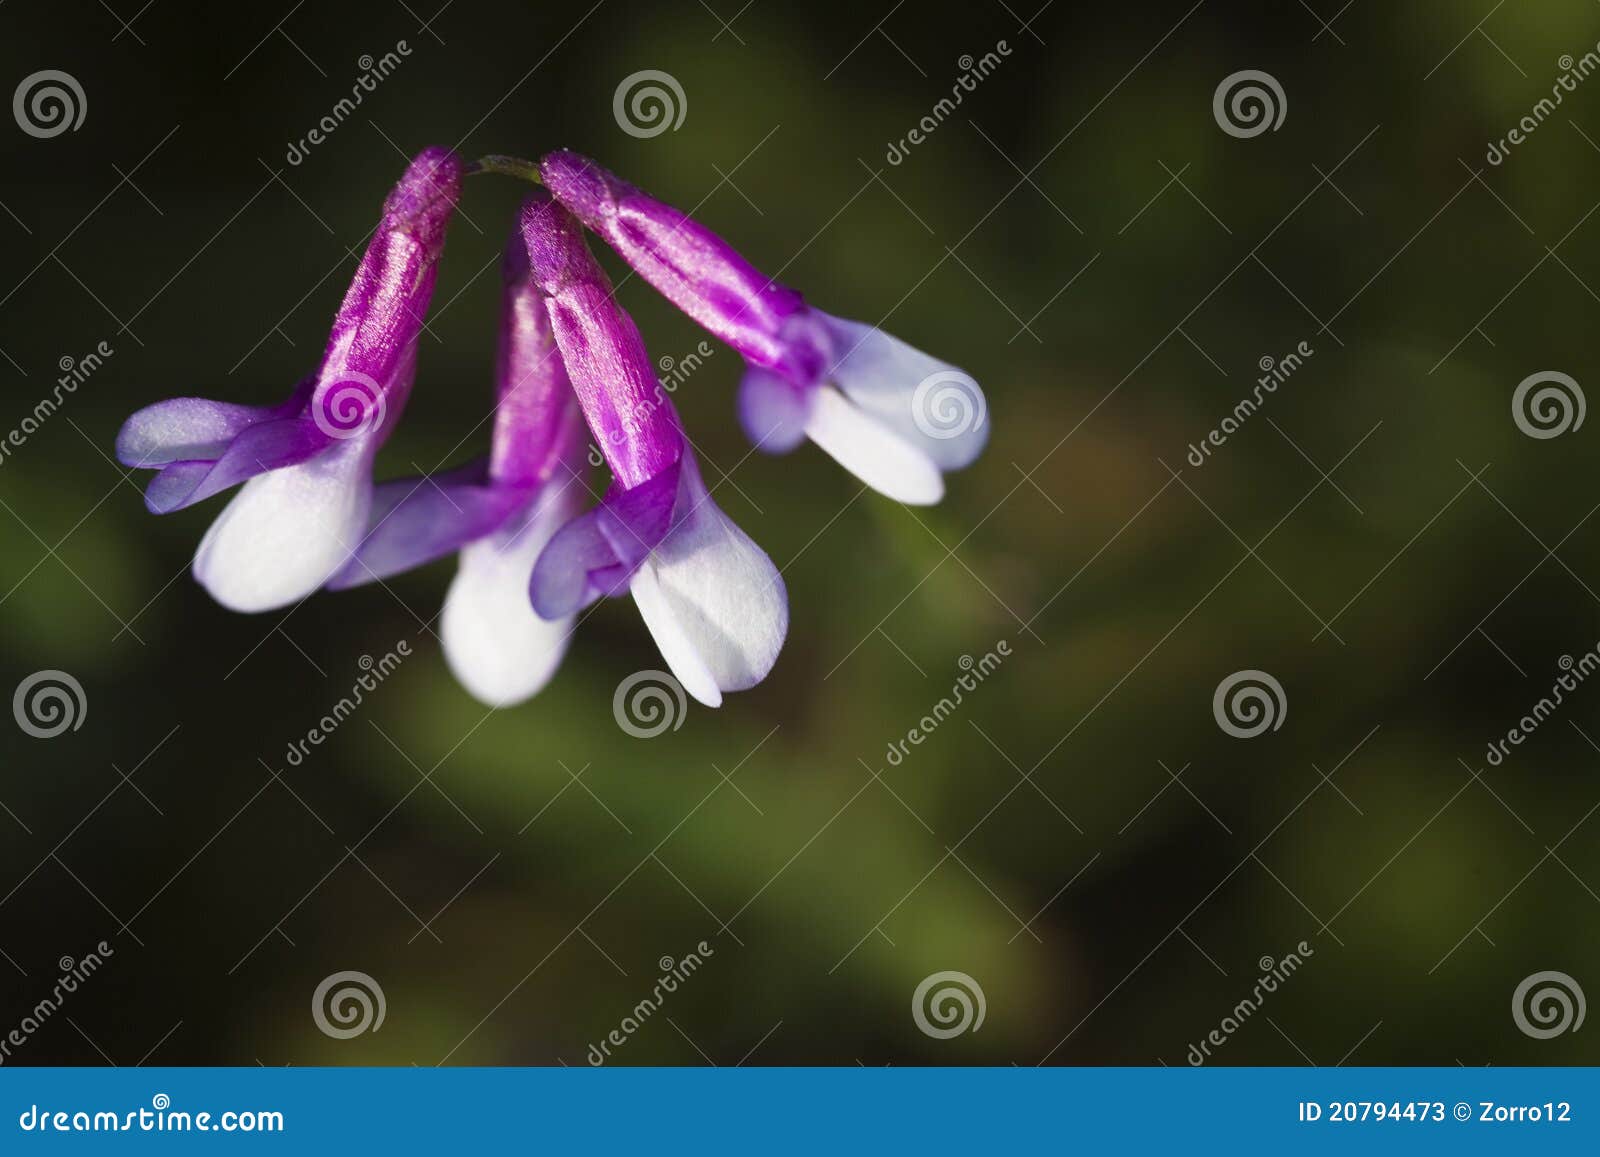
x=890 y=414
x=497 y=512
x=306 y=463
x=711 y=598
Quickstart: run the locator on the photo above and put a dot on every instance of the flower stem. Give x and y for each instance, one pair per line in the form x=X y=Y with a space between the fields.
x=507 y=166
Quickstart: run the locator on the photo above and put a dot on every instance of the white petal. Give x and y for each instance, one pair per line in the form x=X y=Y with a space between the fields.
x=932 y=404
x=870 y=450
x=713 y=601
x=287 y=531
x=497 y=647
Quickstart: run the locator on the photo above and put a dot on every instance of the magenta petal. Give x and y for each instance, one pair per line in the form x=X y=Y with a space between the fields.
x=417 y=520
x=259 y=448
x=690 y=265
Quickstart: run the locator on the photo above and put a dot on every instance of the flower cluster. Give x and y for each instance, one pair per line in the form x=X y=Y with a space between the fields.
x=531 y=559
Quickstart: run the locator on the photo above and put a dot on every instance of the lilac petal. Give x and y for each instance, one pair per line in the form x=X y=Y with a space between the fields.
x=258 y=449
x=596 y=553
x=772 y=411
x=931 y=404
x=187 y=429
x=417 y=520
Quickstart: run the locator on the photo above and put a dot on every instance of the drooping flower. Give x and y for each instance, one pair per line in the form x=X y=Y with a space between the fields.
x=306 y=464
x=498 y=512
x=713 y=601
x=892 y=415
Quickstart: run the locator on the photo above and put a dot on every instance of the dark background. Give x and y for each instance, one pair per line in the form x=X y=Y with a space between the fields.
x=1084 y=238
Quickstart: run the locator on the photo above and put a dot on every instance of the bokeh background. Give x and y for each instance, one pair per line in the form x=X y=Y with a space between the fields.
x=1081 y=839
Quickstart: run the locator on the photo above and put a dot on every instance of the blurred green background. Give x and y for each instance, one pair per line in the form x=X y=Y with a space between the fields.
x=1084 y=238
